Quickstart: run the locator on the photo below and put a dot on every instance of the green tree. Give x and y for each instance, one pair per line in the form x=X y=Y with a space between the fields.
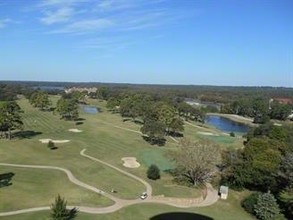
x=266 y=207
x=10 y=117
x=176 y=126
x=166 y=114
x=154 y=130
x=153 y=172
x=60 y=212
x=40 y=99
x=67 y=108
x=249 y=202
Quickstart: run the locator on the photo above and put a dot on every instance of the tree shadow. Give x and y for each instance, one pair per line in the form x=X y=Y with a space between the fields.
x=80 y=119
x=26 y=134
x=78 y=123
x=155 y=141
x=180 y=215
x=5 y=179
x=175 y=134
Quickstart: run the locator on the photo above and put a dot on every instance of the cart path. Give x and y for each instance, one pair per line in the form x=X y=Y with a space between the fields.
x=211 y=197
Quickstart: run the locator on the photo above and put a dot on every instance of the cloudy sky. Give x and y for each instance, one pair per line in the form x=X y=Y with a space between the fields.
x=225 y=42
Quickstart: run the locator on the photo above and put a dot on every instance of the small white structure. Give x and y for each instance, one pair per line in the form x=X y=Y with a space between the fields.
x=224 y=192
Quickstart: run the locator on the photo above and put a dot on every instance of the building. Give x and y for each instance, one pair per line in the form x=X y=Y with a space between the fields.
x=223 y=192
x=88 y=90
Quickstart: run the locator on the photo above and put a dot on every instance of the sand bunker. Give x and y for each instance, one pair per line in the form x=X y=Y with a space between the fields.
x=207 y=133
x=130 y=162
x=45 y=141
x=74 y=130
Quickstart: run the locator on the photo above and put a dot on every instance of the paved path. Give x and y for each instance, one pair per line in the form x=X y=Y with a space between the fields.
x=211 y=198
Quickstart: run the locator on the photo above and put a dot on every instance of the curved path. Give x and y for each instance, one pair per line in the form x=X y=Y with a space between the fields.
x=211 y=198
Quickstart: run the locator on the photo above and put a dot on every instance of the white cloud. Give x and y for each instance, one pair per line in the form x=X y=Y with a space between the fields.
x=58 y=16
x=84 y=26
x=4 y=22
x=46 y=3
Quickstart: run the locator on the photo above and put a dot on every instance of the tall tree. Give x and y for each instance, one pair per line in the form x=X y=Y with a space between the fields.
x=40 y=100
x=266 y=207
x=67 y=108
x=60 y=212
x=10 y=117
x=196 y=161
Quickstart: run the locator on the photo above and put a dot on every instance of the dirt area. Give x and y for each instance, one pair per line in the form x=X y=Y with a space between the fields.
x=75 y=130
x=130 y=162
x=45 y=141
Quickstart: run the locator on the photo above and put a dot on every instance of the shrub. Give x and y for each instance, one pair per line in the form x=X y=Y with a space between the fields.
x=232 y=134
x=51 y=145
x=249 y=202
x=153 y=172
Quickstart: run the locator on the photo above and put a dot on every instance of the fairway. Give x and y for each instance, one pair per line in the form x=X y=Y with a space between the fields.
x=104 y=136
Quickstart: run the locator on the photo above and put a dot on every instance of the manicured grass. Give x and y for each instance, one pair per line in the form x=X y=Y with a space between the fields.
x=34 y=186
x=223 y=210
x=106 y=142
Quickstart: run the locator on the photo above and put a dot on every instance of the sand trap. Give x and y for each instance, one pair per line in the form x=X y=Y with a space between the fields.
x=278 y=124
x=46 y=141
x=74 y=130
x=207 y=133
x=130 y=162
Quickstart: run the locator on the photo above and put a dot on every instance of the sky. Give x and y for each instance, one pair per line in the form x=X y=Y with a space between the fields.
x=198 y=42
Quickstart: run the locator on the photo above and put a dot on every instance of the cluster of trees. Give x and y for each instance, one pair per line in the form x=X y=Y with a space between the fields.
x=158 y=116
x=40 y=99
x=10 y=118
x=265 y=164
x=258 y=108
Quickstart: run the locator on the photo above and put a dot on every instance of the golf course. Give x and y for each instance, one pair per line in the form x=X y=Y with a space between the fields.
x=99 y=166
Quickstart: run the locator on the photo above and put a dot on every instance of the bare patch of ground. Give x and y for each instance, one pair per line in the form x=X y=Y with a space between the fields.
x=207 y=133
x=45 y=141
x=130 y=162
x=75 y=130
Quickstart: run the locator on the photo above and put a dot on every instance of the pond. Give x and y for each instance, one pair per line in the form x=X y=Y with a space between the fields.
x=90 y=109
x=226 y=125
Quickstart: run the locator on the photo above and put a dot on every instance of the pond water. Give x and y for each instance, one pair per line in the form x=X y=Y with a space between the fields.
x=226 y=125
x=90 y=109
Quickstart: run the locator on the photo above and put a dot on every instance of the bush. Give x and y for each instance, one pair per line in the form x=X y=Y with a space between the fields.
x=232 y=134
x=249 y=202
x=267 y=208
x=51 y=145
x=153 y=172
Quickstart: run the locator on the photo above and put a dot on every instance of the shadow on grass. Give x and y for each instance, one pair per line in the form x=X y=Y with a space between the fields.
x=26 y=134
x=180 y=215
x=155 y=141
x=5 y=179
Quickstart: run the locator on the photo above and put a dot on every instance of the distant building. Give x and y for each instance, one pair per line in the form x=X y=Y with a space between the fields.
x=198 y=103
x=281 y=100
x=88 y=90
x=223 y=192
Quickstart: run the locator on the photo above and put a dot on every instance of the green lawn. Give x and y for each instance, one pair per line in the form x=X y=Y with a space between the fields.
x=102 y=140
x=223 y=210
x=34 y=186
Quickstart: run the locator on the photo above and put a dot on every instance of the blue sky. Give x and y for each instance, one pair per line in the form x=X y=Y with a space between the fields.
x=220 y=42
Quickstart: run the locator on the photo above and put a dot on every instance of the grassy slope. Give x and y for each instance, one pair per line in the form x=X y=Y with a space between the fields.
x=223 y=210
x=105 y=142
x=33 y=186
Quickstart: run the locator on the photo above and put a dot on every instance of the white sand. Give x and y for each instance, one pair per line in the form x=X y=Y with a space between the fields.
x=130 y=162
x=278 y=124
x=207 y=133
x=46 y=141
x=74 y=130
